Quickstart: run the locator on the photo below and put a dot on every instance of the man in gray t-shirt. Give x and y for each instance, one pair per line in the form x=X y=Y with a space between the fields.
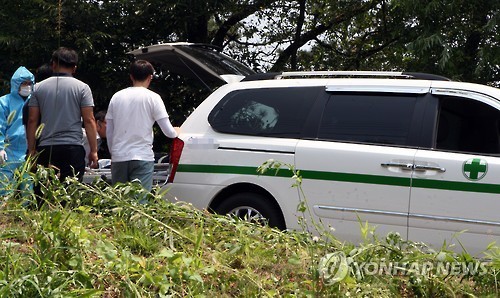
x=60 y=103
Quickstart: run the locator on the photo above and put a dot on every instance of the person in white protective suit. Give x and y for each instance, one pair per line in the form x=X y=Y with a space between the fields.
x=13 y=145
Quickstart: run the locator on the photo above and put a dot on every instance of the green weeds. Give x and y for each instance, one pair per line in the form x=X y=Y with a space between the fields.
x=106 y=241
x=390 y=267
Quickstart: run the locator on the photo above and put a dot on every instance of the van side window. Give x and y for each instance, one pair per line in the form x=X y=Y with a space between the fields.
x=255 y=116
x=271 y=112
x=467 y=125
x=368 y=118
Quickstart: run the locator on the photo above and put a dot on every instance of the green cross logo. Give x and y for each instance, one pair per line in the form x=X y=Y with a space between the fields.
x=475 y=168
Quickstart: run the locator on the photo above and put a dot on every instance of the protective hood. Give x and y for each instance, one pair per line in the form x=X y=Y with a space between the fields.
x=12 y=131
x=22 y=74
x=202 y=61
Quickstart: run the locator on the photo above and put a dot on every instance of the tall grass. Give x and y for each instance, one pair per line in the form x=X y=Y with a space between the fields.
x=100 y=241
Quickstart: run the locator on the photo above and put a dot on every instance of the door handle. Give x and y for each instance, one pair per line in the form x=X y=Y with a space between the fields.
x=410 y=166
x=429 y=168
x=403 y=166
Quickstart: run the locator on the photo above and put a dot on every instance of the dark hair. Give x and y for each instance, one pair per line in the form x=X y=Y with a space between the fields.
x=65 y=57
x=141 y=69
x=99 y=116
x=43 y=71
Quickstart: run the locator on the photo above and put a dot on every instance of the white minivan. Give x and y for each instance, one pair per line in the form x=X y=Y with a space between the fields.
x=411 y=153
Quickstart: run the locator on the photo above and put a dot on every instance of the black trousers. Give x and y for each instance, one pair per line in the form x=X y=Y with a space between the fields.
x=69 y=160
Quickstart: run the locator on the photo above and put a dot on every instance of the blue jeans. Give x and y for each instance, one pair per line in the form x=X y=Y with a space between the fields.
x=126 y=171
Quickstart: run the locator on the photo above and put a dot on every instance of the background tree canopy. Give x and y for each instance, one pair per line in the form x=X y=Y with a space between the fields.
x=454 y=38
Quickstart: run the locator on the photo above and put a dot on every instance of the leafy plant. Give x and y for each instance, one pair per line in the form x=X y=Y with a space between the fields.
x=105 y=242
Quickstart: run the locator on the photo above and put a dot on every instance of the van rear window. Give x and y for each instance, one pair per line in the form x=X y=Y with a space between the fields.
x=271 y=112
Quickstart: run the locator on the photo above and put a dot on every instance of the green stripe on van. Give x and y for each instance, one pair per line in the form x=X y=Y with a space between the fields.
x=458 y=186
x=347 y=177
x=358 y=178
x=212 y=169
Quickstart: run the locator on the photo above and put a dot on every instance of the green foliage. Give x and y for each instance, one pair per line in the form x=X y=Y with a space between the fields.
x=457 y=39
x=454 y=38
x=121 y=241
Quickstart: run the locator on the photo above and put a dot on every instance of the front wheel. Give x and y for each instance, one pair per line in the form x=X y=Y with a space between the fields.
x=252 y=207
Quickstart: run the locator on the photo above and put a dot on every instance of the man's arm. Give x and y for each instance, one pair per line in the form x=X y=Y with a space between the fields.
x=167 y=128
x=110 y=128
x=91 y=131
x=33 y=120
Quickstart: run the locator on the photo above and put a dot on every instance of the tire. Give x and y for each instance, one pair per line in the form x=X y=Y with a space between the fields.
x=252 y=207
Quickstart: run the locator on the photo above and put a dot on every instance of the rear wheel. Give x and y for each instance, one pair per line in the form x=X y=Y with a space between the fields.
x=252 y=207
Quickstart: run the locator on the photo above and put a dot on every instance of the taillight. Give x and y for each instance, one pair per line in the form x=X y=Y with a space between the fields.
x=175 y=156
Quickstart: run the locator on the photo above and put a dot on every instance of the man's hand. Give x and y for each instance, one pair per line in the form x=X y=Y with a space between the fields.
x=93 y=160
x=32 y=153
x=3 y=156
x=177 y=130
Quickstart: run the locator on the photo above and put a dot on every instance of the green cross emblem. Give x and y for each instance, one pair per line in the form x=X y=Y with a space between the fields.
x=475 y=168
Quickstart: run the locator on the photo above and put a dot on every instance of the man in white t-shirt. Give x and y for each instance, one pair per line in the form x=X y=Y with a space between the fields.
x=131 y=115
